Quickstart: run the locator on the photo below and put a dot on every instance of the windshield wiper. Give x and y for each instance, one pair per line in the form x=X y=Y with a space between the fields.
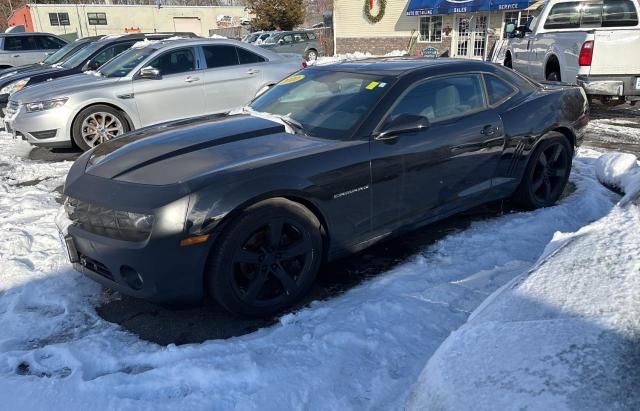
x=296 y=126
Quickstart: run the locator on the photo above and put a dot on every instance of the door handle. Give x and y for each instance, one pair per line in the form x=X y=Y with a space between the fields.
x=488 y=130
x=16 y=55
x=252 y=71
x=192 y=79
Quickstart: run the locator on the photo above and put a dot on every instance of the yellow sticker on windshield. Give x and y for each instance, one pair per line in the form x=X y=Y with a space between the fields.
x=292 y=79
x=372 y=85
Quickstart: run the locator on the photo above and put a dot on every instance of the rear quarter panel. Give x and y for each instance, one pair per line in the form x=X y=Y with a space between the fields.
x=565 y=46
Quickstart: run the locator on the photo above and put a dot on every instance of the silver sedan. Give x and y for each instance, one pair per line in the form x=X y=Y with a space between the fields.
x=154 y=82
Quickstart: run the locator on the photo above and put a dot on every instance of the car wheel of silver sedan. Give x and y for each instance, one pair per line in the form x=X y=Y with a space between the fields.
x=98 y=124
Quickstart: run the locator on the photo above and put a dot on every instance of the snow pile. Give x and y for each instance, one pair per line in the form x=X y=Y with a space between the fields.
x=565 y=335
x=361 y=350
x=620 y=171
x=217 y=36
x=358 y=55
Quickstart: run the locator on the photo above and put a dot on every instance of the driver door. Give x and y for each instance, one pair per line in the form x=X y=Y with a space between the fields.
x=179 y=93
x=421 y=174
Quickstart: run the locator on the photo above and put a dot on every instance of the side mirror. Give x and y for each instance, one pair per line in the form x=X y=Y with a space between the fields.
x=403 y=124
x=150 y=73
x=91 y=65
x=510 y=28
x=280 y=41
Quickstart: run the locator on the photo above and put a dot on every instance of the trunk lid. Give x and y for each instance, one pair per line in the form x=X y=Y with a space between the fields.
x=616 y=52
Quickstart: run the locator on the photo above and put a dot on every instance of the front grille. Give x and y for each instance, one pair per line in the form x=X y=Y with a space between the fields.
x=42 y=135
x=95 y=266
x=118 y=224
x=12 y=108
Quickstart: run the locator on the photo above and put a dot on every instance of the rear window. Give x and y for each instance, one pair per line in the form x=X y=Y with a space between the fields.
x=592 y=14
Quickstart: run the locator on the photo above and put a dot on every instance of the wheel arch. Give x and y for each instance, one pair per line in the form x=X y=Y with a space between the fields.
x=566 y=131
x=101 y=103
x=291 y=195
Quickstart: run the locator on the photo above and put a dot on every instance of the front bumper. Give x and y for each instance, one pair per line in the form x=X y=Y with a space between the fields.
x=157 y=270
x=47 y=128
x=616 y=86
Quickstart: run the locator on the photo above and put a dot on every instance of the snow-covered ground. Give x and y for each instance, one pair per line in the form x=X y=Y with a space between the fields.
x=563 y=336
x=361 y=350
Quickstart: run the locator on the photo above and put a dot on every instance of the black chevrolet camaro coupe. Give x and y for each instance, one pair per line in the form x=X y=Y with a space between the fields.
x=246 y=207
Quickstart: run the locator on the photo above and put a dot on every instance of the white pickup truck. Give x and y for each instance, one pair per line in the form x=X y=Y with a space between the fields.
x=592 y=43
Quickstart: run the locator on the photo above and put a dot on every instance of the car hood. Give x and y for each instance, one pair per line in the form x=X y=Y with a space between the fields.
x=21 y=72
x=188 y=151
x=63 y=87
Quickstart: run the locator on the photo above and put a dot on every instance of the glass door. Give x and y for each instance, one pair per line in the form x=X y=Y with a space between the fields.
x=471 y=36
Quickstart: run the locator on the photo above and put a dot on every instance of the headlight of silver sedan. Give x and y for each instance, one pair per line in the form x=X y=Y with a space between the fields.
x=45 y=105
x=14 y=86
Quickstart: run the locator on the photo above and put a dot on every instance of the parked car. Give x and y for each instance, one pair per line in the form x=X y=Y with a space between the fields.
x=151 y=83
x=19 y=49
x=16 y=78
x=327 y=162
x=304 y=43
x=595 y=44
x=89 y=57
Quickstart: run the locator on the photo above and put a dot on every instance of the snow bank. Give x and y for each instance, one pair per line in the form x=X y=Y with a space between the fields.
x=565 y=335
x=620 y=171
x=358 y=55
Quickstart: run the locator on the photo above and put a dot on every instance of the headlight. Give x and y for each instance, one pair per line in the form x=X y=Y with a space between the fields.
x=15 y=86
x=122 y=225
x=45 y=105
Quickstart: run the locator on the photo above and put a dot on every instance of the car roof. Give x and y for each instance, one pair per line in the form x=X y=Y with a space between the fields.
x=165 y=43
x=396 y=66
x=27 y=34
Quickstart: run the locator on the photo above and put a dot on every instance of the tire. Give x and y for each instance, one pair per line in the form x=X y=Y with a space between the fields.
x=553 y=75
x=542 y=186
x=311 y=55
x=249 y=272
x=507 y=61
x=100 y=112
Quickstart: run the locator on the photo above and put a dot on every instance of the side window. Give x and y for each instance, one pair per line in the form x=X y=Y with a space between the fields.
x=443 y=98
x=617 y=13
x=220 y=56
x=247 y=57
x=288 y=39
x=109 y=53
x=563 y=16
x=50 y=43
x=175 y=61
x=13 y=43
x=497 y=90
x=312 y=36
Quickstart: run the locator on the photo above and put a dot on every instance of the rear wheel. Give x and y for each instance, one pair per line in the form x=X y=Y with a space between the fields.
x=546 y=174
x=266 y=259
x=311 y=55
x=97 y=124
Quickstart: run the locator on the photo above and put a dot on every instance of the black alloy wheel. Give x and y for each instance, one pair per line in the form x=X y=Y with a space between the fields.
x=546 y=174
x=267 y=258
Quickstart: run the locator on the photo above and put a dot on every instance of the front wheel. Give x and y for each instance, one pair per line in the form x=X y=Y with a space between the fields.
x=96 y=124
x=266 y=259
x=311 y=55
x=546 y=174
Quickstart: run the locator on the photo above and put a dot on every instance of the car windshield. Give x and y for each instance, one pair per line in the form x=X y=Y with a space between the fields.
x=84 y=53
x=64 y=53
x=271 y=39
x=122 y=64
x=328 y=104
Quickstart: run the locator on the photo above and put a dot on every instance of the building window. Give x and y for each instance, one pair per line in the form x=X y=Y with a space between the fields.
x=59 y=19
x=430 y=29
x=97 y=19
x=517 y=18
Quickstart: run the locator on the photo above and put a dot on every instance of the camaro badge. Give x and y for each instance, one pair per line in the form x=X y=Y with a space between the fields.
x=346 y=193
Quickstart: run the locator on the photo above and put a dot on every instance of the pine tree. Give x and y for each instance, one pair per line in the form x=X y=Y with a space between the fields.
x=276 y=14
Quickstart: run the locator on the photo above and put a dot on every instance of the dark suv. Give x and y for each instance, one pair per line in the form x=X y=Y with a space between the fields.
x=90 y=56
x=304 y=43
